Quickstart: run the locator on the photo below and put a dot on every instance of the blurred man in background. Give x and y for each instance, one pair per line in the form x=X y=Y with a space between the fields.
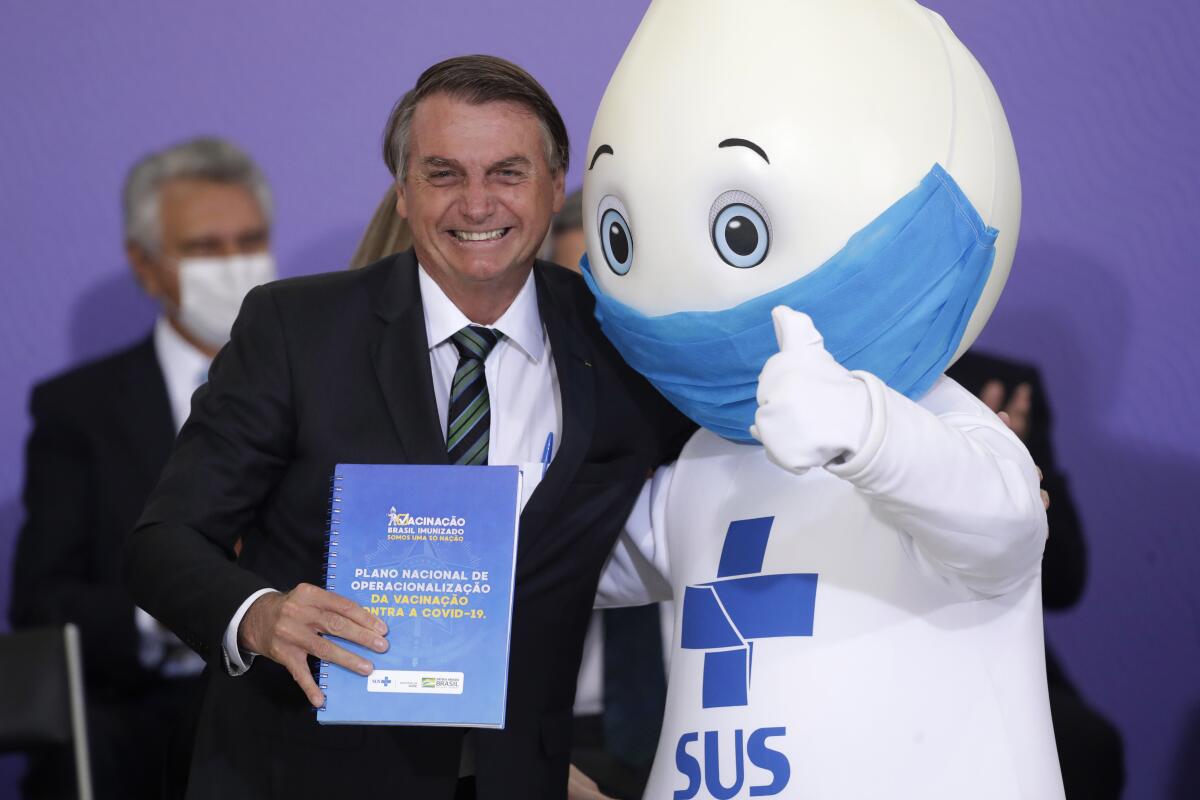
x=566 y=244
x=197 y=220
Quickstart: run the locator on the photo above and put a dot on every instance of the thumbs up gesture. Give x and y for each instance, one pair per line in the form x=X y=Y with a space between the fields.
x=811 y=409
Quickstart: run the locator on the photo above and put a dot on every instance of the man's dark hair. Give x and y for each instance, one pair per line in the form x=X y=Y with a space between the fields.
x=476 y=80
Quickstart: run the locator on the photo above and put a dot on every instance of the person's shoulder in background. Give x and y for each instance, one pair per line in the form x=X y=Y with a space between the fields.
x=72 y=388
x=321 y=310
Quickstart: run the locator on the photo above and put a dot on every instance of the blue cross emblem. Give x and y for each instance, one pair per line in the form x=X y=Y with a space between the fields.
x=725 y=616
x=385 y=680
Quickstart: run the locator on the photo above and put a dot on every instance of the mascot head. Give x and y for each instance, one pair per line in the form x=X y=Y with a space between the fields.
x=849 y=158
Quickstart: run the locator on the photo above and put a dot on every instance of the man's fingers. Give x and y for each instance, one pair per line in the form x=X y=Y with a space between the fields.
x=1018 y=408
x=992 y=395
x=333 y=623
x=354 y=612
x=337 y=615
x=1021 y=400
x=316 y=597
x=290 y=631
x=298 y=667
x=1046 y=499
x=326 y=650
x=295 y=622
x=293 y=635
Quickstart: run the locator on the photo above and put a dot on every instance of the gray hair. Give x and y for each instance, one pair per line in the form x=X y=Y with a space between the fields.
x=476 y=80
x=207 y=158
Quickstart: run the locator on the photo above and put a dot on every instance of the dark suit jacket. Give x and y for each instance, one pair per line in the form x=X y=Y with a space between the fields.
x=101 y=433
x=335 y=368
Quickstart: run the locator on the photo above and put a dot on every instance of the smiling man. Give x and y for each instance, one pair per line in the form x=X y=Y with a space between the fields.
x=483 y=183
x=357 y=367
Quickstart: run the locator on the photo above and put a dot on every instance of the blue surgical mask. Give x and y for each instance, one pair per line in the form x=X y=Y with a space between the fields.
x=894 y=302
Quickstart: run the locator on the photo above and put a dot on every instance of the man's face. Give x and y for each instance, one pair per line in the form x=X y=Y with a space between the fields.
x=199 y=219
x=479 y=193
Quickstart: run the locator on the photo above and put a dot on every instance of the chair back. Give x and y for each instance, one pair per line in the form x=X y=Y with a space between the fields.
x=41 y=694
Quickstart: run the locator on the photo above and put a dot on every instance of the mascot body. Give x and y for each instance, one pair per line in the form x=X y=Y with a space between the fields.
x=798 y=213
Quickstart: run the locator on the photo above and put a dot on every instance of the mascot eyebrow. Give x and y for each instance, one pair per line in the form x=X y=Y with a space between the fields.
x=601 y=150
x=747 y=144
x=604 y=148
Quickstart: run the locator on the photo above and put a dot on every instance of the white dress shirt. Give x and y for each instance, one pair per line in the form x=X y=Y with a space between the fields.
x=519 y=370
x=184 y=368
x=520 y=378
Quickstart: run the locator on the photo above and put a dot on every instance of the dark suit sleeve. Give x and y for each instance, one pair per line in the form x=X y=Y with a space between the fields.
x=179 y=561
x=54 y=572
x=674 y=429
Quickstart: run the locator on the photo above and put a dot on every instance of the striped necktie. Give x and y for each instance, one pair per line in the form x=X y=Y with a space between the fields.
x=469 y=419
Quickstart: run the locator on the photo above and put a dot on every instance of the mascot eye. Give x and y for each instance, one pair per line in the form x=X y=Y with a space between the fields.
x=741 y=231
x=615 y=236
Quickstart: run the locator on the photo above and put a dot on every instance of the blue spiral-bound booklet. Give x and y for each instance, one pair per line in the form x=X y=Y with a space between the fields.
x=431 y=550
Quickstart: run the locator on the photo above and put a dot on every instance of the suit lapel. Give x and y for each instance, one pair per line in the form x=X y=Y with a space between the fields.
x=576 y=380
x=144 y=410
x=400 y=354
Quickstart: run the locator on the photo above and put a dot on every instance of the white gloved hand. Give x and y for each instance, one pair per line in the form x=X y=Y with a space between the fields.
x=811 y=409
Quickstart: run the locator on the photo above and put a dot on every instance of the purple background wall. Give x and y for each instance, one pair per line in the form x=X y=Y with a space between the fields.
x=1103 y=102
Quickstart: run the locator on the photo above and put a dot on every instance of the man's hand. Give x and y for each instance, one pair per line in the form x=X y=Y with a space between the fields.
x=811 y=410
x=581 y=787
x=1014 y=410
x=286 y=628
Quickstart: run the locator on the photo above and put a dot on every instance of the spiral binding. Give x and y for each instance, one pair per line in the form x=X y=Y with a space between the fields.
x=333 y=522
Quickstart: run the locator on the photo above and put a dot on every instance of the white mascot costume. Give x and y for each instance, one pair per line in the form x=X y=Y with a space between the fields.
x=798 y=213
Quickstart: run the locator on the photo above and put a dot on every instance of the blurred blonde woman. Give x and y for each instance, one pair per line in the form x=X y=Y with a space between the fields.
x=387 y=233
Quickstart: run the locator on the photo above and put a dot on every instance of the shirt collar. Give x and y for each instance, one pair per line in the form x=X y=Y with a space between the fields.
x=183 y=366
x=520 y=323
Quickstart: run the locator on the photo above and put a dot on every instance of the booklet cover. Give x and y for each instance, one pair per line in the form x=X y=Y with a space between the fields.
x=431 y=550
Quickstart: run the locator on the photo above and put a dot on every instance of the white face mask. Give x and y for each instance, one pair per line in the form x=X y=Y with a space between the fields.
x=211 y=291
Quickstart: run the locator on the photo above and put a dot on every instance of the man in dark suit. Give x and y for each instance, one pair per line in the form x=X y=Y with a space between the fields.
x=102 y=432
x=356 y=367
